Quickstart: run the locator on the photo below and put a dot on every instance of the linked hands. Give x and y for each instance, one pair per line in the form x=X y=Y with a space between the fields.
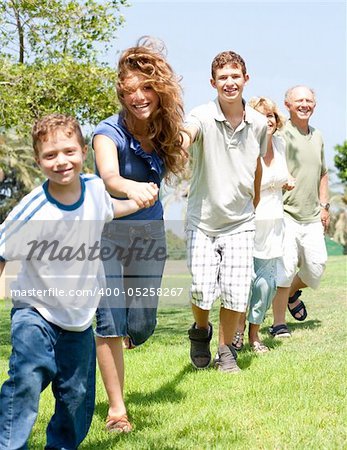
x=289 y=185
x=144 y=194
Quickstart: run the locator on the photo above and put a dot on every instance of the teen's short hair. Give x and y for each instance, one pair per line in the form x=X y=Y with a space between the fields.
x=48 y=125
x=263 y=103
x=228 y=57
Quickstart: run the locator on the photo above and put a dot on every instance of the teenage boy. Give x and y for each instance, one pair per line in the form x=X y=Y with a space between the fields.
x=55 y=231
x=228 y=138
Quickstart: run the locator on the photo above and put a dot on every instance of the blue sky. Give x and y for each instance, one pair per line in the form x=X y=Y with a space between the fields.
x=283 y=44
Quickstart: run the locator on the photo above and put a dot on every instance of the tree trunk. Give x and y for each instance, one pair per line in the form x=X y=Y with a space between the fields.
x=20 y=34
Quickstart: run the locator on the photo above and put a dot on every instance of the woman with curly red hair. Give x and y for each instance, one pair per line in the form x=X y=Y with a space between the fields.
x=134 y=151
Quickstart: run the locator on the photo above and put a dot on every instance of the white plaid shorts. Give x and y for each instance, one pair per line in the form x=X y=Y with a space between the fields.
x=304 y=247
x=220 y=267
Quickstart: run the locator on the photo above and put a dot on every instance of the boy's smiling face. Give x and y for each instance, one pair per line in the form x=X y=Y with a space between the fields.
x=61 y=158
x=229 y=82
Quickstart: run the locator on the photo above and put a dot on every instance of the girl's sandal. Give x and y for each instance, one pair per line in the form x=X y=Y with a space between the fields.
x=259 y=347
x=238 y=340
x=118 y=424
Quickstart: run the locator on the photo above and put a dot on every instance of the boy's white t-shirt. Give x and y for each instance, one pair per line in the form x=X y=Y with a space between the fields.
x=61 y=274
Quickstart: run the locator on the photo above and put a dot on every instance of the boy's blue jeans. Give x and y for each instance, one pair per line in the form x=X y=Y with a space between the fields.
x=43 y=353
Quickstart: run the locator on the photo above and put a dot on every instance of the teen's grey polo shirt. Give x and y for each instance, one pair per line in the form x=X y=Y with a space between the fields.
x=223 y=166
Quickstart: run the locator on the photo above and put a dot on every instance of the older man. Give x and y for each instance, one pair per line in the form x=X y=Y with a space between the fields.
x=306 y=211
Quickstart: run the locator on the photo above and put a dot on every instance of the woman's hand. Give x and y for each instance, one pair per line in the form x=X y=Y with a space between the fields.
x=289 y=185
x=144 y=194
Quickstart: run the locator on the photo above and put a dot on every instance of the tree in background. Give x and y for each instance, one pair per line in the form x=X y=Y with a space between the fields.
x=49 y=62
x=18 y=171
x=340 y=161
x=48 y=59
x=338 y=225
x=49 y=30
x=29 y=91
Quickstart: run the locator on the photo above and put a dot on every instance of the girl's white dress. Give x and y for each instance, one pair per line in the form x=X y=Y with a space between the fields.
x=269 y=212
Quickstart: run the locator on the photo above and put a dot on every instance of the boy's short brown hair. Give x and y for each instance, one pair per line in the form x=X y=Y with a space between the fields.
x=228 y=57
x=49 y=124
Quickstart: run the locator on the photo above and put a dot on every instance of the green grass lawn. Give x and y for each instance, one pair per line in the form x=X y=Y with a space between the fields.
x=294 y=397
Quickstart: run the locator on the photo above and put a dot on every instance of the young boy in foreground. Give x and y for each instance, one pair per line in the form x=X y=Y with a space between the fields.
x=55 y=231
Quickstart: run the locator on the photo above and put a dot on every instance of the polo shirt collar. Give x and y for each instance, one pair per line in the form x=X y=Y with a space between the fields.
x=220 y=117
x=248 y=113
x=217 y=112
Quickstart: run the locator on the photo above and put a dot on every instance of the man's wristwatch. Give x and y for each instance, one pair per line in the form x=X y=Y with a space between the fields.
x=325 y=206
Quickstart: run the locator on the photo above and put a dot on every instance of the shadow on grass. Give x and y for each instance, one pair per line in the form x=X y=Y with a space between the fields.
x=306 y=325
x=167 y=393
x=180 y=319
x=175 y=320
x=247 y=355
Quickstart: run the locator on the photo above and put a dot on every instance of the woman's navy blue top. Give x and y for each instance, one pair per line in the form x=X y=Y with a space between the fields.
x=134 y=163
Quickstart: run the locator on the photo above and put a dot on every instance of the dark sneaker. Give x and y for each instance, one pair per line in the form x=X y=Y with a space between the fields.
x=200 y=339
x=280 y=331
x=225 y=360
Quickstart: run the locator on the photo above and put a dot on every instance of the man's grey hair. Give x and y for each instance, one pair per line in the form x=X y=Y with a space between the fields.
x=290 y=90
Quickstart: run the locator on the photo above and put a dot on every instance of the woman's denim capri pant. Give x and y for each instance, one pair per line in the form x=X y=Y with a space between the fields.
x=263 y=289
x=134 y=254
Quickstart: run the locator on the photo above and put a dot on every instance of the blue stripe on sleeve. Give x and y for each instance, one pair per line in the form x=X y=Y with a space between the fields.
x=21 y=222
